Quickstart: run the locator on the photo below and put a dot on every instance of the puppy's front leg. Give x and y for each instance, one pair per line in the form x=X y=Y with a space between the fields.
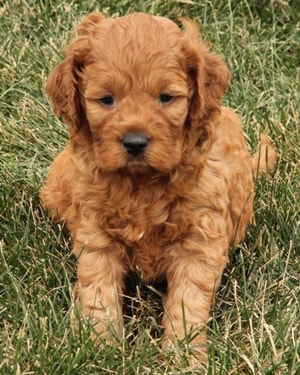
x=192 y=281
x=99 y=290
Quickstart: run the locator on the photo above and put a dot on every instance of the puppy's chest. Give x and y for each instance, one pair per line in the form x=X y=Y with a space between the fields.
x=145 y=226
x=135 y=218
x=145 y=236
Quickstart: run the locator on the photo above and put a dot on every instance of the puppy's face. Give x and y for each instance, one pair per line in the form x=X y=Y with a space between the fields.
x=135 y=94
x=135 y=87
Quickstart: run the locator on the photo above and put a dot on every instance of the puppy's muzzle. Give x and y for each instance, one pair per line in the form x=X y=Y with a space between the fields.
x=135 y=143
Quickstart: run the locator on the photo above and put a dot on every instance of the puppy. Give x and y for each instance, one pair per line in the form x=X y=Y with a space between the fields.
x=156 y=175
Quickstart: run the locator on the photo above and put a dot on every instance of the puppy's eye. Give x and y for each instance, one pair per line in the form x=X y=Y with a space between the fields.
x=165 y=98
x=107 y=100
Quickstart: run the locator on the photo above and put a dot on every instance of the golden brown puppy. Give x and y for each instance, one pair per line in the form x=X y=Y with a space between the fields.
x=156 y=175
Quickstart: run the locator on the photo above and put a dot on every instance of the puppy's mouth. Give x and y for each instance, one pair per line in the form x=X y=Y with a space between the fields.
x=137 y=164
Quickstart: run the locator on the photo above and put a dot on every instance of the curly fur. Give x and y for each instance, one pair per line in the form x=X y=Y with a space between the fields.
x=172 y=211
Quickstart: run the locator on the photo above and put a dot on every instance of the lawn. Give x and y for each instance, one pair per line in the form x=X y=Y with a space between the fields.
x=255 y=324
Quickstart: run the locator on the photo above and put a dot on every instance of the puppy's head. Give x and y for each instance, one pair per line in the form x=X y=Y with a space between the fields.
x=138 y=89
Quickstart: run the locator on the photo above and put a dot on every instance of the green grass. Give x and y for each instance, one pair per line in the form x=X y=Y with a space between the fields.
x=255 y=325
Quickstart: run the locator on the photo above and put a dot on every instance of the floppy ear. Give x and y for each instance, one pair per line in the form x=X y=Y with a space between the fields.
x=209 y=75
x=62 y=86
x=62 y=90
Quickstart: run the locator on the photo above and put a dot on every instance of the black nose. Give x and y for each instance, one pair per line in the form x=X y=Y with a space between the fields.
x=135 y=143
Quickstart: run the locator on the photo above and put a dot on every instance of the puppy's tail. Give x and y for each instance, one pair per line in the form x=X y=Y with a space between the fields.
x=264 y=160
